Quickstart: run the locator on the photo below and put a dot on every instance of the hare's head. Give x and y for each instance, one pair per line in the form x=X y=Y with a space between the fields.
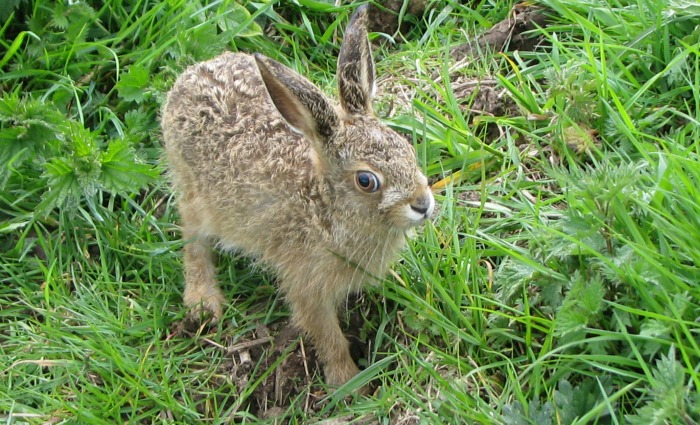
x=372 y=169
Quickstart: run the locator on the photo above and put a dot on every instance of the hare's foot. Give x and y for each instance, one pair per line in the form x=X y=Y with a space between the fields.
x=340 y=372
x=202 y=293
x=205 y=303
x=337 y=374
x=318 y=319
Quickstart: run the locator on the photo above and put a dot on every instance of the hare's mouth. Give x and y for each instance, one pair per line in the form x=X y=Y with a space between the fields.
x=416 y=216
x=416 y=213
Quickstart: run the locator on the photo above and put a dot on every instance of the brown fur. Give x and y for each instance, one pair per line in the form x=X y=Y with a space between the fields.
x=248 y=181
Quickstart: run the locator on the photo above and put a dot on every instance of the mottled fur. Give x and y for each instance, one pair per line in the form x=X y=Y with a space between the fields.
x=264 y=163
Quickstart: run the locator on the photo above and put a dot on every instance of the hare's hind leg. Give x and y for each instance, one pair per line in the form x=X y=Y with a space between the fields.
x=202 y=293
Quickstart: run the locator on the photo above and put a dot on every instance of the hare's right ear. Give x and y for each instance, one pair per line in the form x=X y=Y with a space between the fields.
x=301 y=103
x=356 y=66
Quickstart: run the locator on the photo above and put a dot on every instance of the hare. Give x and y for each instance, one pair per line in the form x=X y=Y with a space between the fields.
x=321 y=194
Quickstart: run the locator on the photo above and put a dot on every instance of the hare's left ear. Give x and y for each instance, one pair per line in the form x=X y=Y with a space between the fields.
x=356 y=66
x=301 y=103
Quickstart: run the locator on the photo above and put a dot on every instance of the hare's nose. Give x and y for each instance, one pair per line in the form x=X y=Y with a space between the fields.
x=420 y=209
x=423 y=204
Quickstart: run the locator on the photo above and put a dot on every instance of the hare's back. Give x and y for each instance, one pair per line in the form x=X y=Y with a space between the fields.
x=219 y=111
x=226 y=90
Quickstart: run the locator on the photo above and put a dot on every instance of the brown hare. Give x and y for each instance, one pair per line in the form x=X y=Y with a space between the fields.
x=322 y=194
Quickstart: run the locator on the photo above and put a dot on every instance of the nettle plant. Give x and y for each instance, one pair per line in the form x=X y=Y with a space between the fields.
x=621 y=292
x=47 y=154
x=79 y=100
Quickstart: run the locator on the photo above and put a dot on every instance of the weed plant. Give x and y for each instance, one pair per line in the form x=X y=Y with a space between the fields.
x=558 y=284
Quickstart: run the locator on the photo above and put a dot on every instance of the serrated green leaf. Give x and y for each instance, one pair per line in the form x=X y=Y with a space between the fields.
x=573 y=402
x=581 y=306
x=654 y=328
x=139 y=124
x=121 y=170
x=537 y=413
x=29 y=131
x=204 y=42
x=10 y=149
x=7 y=7
x=564 y=398
x=133 y=85
x=669 y=376
x=667 y=398
x=514 y=414
x=59 y=16
x=541 y=414
x=511 y=278
x=62 y=182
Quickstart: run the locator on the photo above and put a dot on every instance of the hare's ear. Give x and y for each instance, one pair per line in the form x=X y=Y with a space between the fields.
x=301 y=103
x=356 y=67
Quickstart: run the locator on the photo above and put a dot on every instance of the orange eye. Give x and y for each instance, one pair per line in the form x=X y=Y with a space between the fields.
x=367 y=181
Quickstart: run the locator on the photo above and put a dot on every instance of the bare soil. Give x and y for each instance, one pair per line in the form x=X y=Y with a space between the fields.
x=511 y=34
x=276 y=355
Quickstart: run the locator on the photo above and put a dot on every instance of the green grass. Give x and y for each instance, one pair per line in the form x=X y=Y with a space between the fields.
x=559 y=283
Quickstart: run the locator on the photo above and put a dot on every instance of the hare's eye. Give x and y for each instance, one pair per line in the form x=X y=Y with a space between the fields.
x=367 y=181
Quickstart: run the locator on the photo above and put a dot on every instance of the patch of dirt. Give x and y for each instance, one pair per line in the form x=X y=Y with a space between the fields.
x=482 y=97
x=478 y=96
x=510 y=34
x=288 y=368
x=384 y=15
x=285 y=364
x=282 y=360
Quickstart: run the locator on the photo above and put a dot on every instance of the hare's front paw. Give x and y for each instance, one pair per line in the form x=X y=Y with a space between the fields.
x=339 y=373
x=205 y=303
